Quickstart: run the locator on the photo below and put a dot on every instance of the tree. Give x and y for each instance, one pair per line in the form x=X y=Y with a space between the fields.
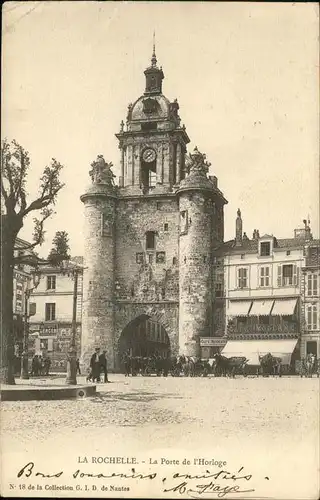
x=15 y=163
x=60 y=248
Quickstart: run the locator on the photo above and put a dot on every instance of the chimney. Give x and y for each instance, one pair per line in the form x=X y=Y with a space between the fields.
x=307 y=229
x=238 y=228
x=256 y=234
x=245 y=237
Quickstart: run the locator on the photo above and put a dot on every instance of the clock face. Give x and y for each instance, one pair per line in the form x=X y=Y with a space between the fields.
x=149 y=155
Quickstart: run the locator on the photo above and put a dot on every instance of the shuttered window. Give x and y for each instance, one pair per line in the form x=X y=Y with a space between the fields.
x=50 y=312
x=242 y=277
x=264 y=276
x=312 y=289
x=288 y=275
x=312 y=317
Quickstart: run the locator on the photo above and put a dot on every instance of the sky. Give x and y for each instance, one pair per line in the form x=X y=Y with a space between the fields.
x=246 y=76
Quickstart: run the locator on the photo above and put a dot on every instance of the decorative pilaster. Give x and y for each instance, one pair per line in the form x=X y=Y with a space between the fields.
x=121 y=179
x=136 y=164
x=178 y=163
x=160 y=164
x=129 y=165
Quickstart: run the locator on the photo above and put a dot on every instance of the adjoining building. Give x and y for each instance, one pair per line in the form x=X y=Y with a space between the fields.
x=310 y=301
x=21 y=282
x=263 y=293
x=51 y=325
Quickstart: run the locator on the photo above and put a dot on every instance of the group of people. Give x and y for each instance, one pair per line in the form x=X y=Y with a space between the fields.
x=98 y=365
x=40 y=365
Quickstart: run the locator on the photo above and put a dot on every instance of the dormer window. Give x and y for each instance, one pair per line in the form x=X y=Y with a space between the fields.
x=265 y=248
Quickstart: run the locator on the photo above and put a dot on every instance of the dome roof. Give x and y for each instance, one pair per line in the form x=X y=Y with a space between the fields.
x=195 y=181
x=197 y=178
x=99 y=190
x=146 y=107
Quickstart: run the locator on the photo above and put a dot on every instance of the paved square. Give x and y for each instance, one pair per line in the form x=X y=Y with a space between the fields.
x=269 y=422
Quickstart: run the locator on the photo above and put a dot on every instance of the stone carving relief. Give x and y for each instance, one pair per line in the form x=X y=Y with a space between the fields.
x=145 y=288
x=101 y=172
x=196 y=163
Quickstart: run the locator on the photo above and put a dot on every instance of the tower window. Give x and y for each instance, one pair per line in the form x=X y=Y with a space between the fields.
x=149 y=170
x=152 y=178
x=183 y=222
x=150 y=240
x=166 y=227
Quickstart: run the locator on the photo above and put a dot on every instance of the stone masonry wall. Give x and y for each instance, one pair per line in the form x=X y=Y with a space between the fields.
x=144 y=275
x=195 y=271
x=98 y=278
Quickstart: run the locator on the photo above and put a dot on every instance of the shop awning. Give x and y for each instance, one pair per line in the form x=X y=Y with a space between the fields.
x=239 y=308
x=261 y=308
x=252 y=349
x=284 y=307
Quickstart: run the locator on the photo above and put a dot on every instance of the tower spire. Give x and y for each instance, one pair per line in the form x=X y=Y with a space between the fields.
x=154 y=58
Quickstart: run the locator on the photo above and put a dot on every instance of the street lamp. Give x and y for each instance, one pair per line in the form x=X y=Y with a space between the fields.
x=35 y=275
x=73 y=270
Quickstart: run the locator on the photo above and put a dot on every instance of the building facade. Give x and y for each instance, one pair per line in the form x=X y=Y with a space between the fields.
x=21 y=283
x=50 y=329
x=148 y=241
x=266 y=297
x=310 y=296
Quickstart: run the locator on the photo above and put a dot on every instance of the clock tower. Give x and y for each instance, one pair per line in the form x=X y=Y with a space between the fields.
x=148 y=277
x=152 y=142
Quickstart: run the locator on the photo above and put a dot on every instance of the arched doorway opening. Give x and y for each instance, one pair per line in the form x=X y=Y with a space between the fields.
x=145 y=337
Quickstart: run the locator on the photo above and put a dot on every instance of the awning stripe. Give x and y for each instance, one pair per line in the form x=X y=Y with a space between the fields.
x=261 y=308
x=239 y=308
x=284 y=307
x=282 y=348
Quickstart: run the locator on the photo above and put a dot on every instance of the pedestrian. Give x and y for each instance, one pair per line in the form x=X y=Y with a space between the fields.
x=95 y=365
x=35 y=365
x=104 y=366
x=78 y=367
x=47 y=364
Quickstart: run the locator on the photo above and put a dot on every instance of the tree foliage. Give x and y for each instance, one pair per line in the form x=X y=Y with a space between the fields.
x=15 y=207
x=60 y=248
x=15 y=163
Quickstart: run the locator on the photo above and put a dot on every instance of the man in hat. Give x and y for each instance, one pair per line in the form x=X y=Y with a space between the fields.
x=95 y=365
x=104 y=366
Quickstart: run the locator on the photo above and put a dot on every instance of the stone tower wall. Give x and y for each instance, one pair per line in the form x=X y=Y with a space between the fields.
x=143 y=275
x=195 y=273
x=98 y=278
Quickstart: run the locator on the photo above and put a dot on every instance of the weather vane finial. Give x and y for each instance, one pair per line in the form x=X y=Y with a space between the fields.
x=153 y=58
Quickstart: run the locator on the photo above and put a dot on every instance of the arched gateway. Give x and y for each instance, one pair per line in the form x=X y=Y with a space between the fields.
x=144 y=336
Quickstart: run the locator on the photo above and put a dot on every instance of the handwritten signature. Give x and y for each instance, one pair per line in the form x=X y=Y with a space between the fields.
x=220 y=483
x=221 y=490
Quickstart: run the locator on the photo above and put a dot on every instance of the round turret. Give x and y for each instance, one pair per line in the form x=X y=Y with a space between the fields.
x=98 y=279
x=195 y=274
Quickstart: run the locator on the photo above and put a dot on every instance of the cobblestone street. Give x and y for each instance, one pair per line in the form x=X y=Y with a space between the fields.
x=236 y=418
